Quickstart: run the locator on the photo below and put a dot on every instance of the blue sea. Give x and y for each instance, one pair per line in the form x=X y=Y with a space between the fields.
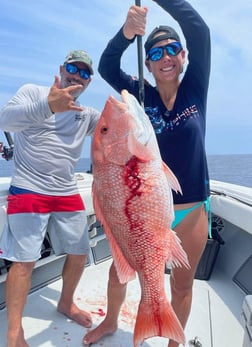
x=232 y=168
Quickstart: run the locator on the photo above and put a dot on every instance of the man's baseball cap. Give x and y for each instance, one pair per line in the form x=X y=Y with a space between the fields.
x=80 y=56
x=158 y=34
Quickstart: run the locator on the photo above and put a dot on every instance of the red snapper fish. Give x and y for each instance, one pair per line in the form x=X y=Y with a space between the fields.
x=133 y=201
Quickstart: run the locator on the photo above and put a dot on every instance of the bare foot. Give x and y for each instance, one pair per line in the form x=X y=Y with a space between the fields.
x=103 y=329
x=17 y=340
x=17 y=344
x=79 y=316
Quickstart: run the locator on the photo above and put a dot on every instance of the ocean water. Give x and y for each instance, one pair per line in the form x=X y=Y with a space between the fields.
x=233 y=168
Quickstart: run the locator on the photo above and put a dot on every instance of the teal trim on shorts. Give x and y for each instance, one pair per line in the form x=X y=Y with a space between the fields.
x=182 y=214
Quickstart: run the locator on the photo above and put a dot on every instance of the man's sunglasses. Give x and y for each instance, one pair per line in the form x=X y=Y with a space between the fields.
x=73 y=69
x=172 y=49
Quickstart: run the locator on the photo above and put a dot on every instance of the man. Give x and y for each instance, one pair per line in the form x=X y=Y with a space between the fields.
x=50 y=127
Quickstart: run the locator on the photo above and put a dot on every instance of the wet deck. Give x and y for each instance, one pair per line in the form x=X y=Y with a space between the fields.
x=210 y=320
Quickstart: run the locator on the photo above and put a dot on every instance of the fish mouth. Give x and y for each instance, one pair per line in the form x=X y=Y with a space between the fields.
x=142 y=131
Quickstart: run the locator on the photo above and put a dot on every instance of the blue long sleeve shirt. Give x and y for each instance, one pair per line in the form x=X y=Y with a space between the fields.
x=181 y=131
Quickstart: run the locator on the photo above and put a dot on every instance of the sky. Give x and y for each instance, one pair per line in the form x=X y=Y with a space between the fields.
x=35 y=37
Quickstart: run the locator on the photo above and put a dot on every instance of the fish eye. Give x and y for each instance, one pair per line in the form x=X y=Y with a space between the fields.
x=104 y=130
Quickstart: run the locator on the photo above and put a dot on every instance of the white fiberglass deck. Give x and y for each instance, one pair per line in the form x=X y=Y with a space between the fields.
x=210 y=319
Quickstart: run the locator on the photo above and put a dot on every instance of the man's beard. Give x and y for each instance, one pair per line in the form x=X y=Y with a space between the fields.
x=72 y=82
x=75 y=94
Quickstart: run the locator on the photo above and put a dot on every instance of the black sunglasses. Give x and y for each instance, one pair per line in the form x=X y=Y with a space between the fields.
x=172 y=49
x=73 y=69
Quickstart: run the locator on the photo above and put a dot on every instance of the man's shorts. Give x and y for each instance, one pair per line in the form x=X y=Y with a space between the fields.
x=30 y=216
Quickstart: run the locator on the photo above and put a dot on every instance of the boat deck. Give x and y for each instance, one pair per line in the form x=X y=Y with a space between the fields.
x=211 y=318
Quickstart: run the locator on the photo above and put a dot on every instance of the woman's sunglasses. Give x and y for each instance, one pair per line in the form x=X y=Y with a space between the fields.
x=172 y=49
x=73 y=69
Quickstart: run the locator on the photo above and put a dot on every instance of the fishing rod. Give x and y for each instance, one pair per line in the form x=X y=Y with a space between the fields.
x=7 y=152
x=140 y=63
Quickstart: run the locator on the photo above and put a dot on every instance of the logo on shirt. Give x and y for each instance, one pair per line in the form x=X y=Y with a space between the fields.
x=80 y=117
x=162 y=122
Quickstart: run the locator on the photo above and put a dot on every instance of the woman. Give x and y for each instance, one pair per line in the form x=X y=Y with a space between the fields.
x=177 y=109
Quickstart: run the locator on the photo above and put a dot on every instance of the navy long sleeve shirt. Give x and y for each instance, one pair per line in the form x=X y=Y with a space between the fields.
x=181 y=131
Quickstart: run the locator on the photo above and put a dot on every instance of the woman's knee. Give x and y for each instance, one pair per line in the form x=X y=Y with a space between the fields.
x=113 y=277
x=181 y=285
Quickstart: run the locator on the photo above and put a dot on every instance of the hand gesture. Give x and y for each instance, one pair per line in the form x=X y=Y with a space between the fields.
x=61 y=99
x=135 y=22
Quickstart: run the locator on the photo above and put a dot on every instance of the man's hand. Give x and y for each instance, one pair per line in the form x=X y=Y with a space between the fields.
x=135 y=22
x=60 y=99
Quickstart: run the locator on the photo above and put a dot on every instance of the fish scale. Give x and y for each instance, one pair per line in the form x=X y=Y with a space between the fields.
x=133 y=201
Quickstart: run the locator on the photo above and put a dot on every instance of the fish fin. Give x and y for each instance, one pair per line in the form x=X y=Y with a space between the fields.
x=124 y=271
x=172 y=179
x=139 y=150
x=177 y=256
x=163 y=322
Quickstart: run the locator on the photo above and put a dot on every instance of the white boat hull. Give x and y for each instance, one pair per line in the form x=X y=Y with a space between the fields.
x=216 y=317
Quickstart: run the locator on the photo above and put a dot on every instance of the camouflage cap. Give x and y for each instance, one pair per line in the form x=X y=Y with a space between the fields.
x=80 y=56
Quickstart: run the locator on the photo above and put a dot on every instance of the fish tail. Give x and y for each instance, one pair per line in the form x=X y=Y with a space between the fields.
x=161 y=321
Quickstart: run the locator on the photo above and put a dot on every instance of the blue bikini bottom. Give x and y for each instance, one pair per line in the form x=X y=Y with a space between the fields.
x=181 y=214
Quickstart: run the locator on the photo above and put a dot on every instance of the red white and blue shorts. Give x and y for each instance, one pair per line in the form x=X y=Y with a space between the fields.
x=31 y=215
